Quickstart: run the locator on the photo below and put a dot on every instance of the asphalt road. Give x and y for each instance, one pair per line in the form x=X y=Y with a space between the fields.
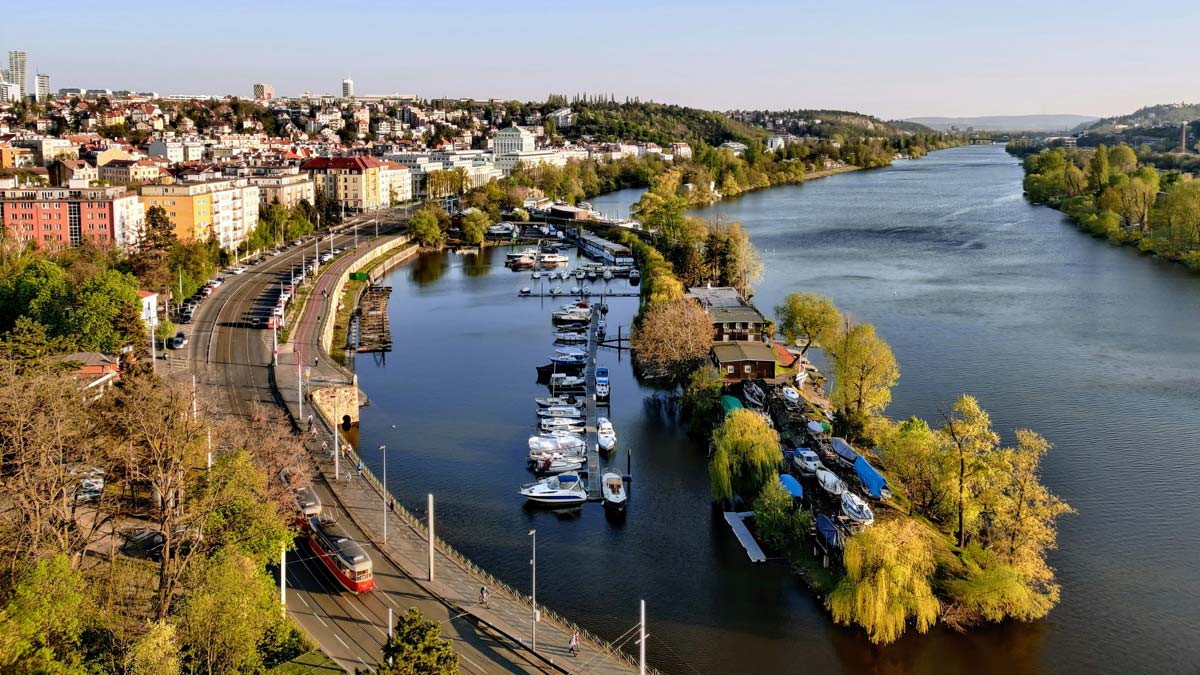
x=230 y=362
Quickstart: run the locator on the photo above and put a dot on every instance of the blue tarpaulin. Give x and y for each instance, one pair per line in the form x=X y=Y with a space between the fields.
x=871 y=479
x=729 y=404
x=791 y=485
x=828 y=531
x=844 y=452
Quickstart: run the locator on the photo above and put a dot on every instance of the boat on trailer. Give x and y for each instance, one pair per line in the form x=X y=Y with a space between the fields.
x=856 y=509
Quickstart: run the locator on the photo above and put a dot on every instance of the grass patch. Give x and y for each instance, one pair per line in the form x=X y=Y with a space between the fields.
x=312 y=663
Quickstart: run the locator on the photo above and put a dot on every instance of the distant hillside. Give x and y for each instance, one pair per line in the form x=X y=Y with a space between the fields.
x=1167 y=114
x=826 y=123
x=657 y=123
x=1034 y=123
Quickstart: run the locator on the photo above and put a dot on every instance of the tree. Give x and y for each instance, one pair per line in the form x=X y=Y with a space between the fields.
x=745 y=455
x=416 y=648
x=889 y=570
x=156 y=652
x=474 y=226
x=864 y=371
x=776 y=520
x=810 y=317
x=969 y=431
x=160 y=232
x=1098 y=170
x=41 y=625
x=230 y=609
x=424 y=227
x=918 y=462
x=1021 y=512
x=702 y=397
x=239 y=513
x=675 y=336
x=106 y=313
x=521 y=215
x=1122 y=159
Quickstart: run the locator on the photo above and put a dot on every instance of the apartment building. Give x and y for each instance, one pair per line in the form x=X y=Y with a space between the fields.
x=513 y=139
x=353 y=182
x=57 y=218
x=395 y=183
x=224 y=209
x=287 y=188
x=126 y=171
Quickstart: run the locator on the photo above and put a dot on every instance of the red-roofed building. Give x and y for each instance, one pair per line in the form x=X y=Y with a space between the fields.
x=353 y=182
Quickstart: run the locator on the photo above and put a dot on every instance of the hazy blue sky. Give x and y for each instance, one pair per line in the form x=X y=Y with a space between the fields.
x=894 y=59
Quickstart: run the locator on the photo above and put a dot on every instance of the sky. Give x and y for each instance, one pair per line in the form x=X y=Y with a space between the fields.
x=894 y=59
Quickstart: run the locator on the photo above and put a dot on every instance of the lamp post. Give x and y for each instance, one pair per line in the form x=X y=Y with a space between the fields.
x=533 y=595
x=384 y=491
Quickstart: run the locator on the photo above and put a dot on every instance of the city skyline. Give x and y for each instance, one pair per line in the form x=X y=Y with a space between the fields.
x=883 y=60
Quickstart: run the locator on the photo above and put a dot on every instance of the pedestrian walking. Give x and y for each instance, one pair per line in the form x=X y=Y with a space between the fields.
x=573 y=646
x=310 y=421
x=359 y=467
x=313 y=431
x=483 y=596
x=316 y=362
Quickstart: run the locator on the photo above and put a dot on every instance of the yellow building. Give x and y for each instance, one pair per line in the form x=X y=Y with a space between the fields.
x=225 y=209
x=353 y=182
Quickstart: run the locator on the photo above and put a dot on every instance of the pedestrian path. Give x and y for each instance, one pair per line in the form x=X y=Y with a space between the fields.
x=456 y=580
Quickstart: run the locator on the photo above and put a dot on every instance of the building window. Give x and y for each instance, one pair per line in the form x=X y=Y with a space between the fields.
x=747 y=368
x=729 y=369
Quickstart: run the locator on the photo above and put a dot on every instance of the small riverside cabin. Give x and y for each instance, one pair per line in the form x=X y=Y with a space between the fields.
x=744 y=360
x=734 y=319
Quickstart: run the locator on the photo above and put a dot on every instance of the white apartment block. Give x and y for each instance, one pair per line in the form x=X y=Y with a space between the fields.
x=513 y=139
x=534 y=158
x=286 y=189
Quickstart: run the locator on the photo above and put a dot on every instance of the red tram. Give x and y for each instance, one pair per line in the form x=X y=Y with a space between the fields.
x=344 y=557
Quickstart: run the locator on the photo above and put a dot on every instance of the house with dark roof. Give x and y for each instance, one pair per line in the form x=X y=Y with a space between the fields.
x=734 y=319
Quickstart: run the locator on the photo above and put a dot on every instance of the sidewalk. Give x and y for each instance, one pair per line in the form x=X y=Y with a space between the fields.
x=457 y=580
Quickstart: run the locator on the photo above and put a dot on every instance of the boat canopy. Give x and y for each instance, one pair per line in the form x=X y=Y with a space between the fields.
x=815 y=427
x=844 y=450
x=828 y=531
x=791 y=485
x=871 y=479
x=567 y=478
x=729 y=404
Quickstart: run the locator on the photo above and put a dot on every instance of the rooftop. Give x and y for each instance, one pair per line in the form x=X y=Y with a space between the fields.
x=730 y=352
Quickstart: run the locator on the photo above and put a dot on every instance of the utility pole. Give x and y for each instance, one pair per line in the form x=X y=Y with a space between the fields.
x=299 y=387
x=337 y=454
x=432 y=536
x=283 y=577
x=384 y=492
x=642 y=641
x=193 y=397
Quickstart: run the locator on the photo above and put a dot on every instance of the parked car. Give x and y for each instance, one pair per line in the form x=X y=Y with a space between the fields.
x=206 y=291
x=240 y=269
x=217 y=281
x=179 y=341
x=278 y=311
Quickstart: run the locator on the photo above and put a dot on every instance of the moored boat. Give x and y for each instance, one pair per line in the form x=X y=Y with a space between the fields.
x=562 y=490
x=606 y=436
x=560 y=411
x=613 y=492
x=555 y=441
x=570 y=424
x=570 y=337
x=548 y=401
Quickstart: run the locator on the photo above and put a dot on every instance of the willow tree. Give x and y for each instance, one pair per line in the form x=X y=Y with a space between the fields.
x=918 y=461
x=969 y=430
x=864 y=371
x=746 y=455
x=889 y=568
x=808 y=316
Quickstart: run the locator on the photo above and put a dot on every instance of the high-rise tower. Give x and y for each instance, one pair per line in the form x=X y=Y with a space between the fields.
x=347 y=88
x=16 y=70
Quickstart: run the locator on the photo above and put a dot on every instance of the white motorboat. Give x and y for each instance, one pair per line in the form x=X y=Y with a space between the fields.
x=573 y=424
x=552 y=259
x=602 y=390
x=586 y=290
x=514 y=256
x=525 y=291
x=548 y=401
x=830 y=482
x=570 y=337
x=606 y=436
x=791 y=395
x=574 y=290
x=856 y=509
x=565 y=382
x=591 y=274
x=556 y=291
x=560 y=411
x=579 y=274
x=558 y=463
x=608 y=275
x=807 y=462
x=634 y=275
x=557 y=441
x=562 y=490
x=536 y=275
x=615 y=496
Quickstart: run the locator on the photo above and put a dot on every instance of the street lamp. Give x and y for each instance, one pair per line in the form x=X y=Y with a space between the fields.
x=533 y=595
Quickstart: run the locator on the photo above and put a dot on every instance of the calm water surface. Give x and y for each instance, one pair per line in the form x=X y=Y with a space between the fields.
x=977 y=292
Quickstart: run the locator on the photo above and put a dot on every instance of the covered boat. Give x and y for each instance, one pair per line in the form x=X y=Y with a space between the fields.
x=792 y=486
x=549 y=401
x=615 y=496
x=830 y=482
x=560 y=411
x=856 y=509
x=572 y=424
x=846 y=456
x=729 y=404
x=829 y=531
x=550 y=464
x=563 y=490
x=556 y=441
x=815 y=428
x=873 y=481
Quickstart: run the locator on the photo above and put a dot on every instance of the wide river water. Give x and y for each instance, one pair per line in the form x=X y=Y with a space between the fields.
x=977 y=291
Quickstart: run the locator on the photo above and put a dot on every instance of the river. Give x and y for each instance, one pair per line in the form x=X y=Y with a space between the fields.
x=977 y=291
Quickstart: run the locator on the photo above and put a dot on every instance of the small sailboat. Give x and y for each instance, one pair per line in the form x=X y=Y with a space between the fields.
x=556 y=291
x=579 y=274
x=856 y=509
x=606 y=436
x=830 y=482
x=591 y=274
x=615 y=496
x=550 y=464
x=525 y=291
x=562 y=490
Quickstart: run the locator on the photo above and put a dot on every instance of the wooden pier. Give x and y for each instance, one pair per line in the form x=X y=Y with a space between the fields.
x=735 y=518
x=591 y=408
x=600 y=292
x=374 y=330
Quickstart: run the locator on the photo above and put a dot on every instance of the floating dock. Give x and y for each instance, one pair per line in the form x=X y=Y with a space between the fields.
x=600 y=292
x=591 y=406
x=374 y=330
x=735 y=518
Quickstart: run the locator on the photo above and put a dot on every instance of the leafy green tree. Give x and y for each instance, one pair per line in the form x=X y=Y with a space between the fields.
x=864 y=371
x=1098 y=170
x=160 y=231
x=424 y=227
x=918 y=462
x=701 y=399
x=1122 y=159
x=888 y=582
x=41 y=625
x=674 y=338
x=995 y=593
x=521 y=215
x=416 y=647
x=746 y=455
x=474 y=226
x=241 y=514
x=810 y=317
x=156 y=652
x=776 y=520
x=230 y=609
x=968 y=429
x=164 y=330
x=106 y=313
